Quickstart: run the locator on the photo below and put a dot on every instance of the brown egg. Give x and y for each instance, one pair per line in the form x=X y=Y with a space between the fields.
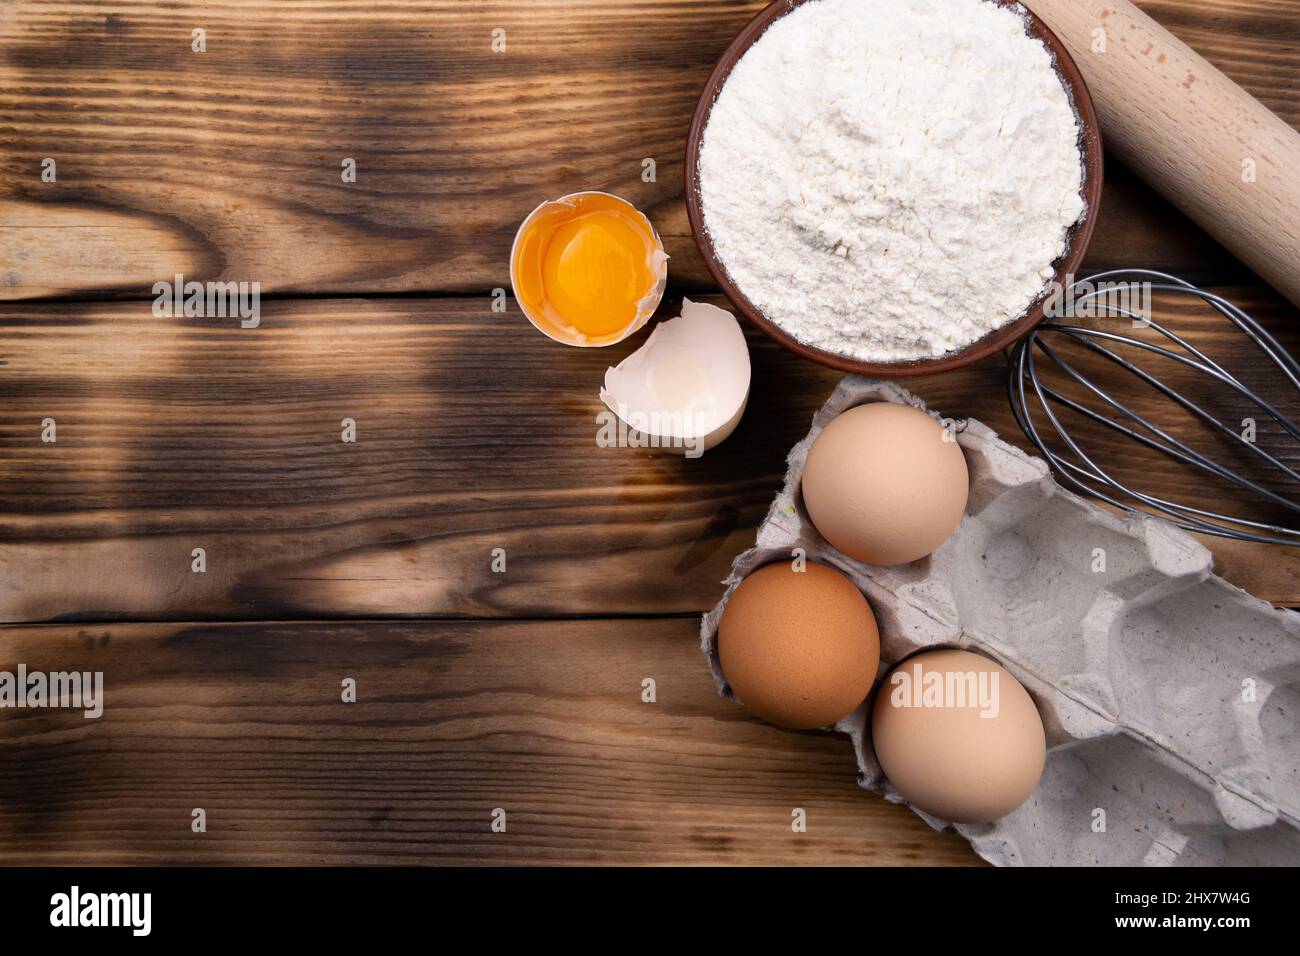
x=883 y=484
x=941 y=753
x=799 y=648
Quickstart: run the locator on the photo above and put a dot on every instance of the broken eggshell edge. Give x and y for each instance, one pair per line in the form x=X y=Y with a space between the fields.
x=718 y=433
x=645 y=307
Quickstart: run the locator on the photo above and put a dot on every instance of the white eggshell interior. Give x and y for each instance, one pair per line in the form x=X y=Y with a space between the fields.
x=690 y=380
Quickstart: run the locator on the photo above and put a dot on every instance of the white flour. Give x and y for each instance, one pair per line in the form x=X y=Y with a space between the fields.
x=892 y=179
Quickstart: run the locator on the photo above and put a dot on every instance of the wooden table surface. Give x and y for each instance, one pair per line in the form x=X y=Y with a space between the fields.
x=372 y=560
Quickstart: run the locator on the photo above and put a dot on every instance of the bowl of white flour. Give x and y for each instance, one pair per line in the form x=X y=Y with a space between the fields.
x=893 y=187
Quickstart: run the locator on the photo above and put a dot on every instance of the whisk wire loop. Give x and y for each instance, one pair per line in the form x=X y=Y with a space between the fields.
x=1083 y=472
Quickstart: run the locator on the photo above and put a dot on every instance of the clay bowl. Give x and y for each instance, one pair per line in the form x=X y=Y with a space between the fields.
x=1068 y=265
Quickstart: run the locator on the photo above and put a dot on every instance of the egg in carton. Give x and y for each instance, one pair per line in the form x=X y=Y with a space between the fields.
x=1170 y=698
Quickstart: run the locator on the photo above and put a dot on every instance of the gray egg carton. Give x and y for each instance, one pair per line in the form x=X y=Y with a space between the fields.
x=1170 y=698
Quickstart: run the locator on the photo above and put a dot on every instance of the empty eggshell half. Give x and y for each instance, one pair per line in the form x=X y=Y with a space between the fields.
x=685 y=389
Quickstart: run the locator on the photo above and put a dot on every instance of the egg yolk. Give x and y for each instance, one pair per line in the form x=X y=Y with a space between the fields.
x=585 y=264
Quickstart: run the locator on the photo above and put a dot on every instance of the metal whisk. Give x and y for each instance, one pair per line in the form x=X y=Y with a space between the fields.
x=1082 y=472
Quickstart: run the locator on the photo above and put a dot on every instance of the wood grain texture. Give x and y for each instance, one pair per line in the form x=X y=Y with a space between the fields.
x=1256 y=42
x=227 y=163
x=452 y=720
x=474 y=432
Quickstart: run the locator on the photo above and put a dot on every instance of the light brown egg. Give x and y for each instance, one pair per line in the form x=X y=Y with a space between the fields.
x=940 y=753
x=883 y=483
x=799 y=648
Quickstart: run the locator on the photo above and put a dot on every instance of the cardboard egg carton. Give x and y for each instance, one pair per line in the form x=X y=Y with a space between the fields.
x=1170 y=698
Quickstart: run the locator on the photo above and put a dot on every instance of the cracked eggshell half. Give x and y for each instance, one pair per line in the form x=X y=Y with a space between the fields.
x=685 y=389
x=585 y=254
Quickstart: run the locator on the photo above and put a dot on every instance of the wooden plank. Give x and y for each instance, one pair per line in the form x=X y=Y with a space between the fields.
x=226 y=163
x=474 y=433
x=452 y=720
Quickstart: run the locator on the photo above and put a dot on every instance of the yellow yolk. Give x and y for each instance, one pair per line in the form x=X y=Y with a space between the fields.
x=584 y=265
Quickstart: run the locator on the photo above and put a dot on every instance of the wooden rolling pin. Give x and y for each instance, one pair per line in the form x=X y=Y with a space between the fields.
x=1204 y=143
